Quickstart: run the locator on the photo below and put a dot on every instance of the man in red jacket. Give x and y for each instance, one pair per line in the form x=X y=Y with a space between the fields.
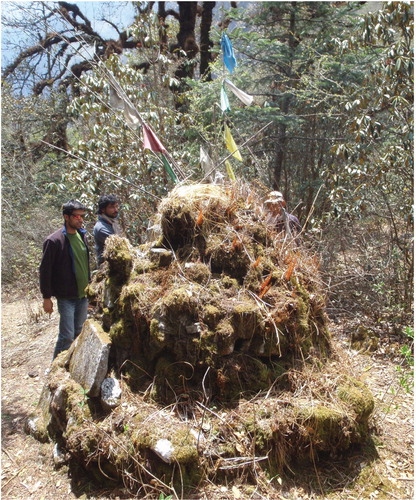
x=64 y=273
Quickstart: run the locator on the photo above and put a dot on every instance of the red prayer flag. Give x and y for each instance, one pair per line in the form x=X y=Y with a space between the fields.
x=150 y=140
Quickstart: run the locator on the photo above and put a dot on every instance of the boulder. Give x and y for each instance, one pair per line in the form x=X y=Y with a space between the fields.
x=89 y=361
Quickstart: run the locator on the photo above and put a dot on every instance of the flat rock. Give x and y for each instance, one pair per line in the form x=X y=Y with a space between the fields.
x=89 y=361
x=161 y=256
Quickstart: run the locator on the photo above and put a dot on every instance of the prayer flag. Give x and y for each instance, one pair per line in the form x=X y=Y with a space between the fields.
x=245 y=98
x=169 y=169
x=150 y=140
x=228 y=53
x=231 y=145
x=230 y=170
x=206 y=162
x=116 y=101
x=219 y=178
x=225 y=105
x=131 y=115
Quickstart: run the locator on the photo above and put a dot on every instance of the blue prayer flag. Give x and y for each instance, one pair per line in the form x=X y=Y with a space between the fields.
x=228 y=53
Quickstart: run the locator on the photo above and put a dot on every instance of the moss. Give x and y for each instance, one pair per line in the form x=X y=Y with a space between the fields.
x=207 y=347
x=278 y=370
x=120 y=261
x=182 y=477
x=228 y=282
x=325 y=428
x=253 y=279
x=142 y=266
x=171 y=379
x=184 y=445
x=357 y=396
x=224 y=338
x=84 y=443
x=310 y=328
x=135 y=372
x=94 y=293
x=303 y=317
x=261 y=432
x=161 y=257
x=370 y=482
x=224 y=259
x=155 y=331
x=259 y=233
x=134 y=297
x=76 y=403
x=227 y=449
x=180 y=301
x=198 y=272
x=211 y=315
x=247 y=320
x=119 y=335
x=181 y=333
x=272 y=343
x=37 y=423
x=178 y=225
x=185 y=454
x=241 y=374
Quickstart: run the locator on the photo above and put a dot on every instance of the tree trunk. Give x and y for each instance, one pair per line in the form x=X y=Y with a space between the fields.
x=206 y=43
x=280 y=149
x=163 y=37
x=186 y=37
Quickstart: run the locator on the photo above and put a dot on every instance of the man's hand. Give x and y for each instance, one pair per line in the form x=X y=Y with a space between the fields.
x=48 y=306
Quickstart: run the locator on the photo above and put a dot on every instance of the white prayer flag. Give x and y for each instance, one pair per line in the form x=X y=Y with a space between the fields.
x=245 y=98
x=115 y=100
x=131 y=115
x=206 y=162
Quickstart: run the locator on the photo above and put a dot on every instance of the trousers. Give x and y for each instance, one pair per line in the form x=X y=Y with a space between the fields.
x=73 y=313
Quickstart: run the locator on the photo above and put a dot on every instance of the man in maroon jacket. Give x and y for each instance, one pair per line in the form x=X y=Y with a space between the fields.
x=64 y=273
x=283 y=220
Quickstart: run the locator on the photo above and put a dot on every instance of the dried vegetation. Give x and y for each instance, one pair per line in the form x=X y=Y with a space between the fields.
x=220 y=341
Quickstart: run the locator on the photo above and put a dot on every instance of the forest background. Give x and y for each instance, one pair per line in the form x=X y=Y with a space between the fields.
x=333 y=82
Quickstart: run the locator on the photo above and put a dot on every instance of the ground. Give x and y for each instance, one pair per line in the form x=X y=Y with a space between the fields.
x=383 y=470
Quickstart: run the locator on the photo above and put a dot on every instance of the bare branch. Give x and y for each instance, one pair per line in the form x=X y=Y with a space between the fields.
x=51 y=40
x=66 y=8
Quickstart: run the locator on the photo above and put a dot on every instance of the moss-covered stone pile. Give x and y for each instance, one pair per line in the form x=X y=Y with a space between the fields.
x=218 y=306
x=220 y=341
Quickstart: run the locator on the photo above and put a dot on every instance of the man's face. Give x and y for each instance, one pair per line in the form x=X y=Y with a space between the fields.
x=111 y=210
x=75 y=220
x=274 y=208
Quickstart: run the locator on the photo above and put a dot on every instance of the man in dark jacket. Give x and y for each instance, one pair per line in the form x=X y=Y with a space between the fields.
x=64 y=273
x=108 y=207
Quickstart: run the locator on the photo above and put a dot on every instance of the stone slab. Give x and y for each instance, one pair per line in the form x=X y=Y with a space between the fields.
x=89 y=361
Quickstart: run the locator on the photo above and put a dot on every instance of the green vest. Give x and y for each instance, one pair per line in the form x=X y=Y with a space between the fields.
x=81 y=262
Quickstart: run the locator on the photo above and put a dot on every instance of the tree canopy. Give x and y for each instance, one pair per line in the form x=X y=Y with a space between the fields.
x=330 y=125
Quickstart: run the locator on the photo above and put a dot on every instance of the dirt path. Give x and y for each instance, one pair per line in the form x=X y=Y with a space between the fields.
x=28 y=471
x=28 y=340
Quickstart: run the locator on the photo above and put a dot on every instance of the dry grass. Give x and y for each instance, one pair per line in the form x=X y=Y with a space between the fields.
x=383 y=468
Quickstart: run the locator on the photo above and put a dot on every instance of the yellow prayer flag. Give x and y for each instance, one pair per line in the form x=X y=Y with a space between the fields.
x=230 y=170
x=231 y=145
